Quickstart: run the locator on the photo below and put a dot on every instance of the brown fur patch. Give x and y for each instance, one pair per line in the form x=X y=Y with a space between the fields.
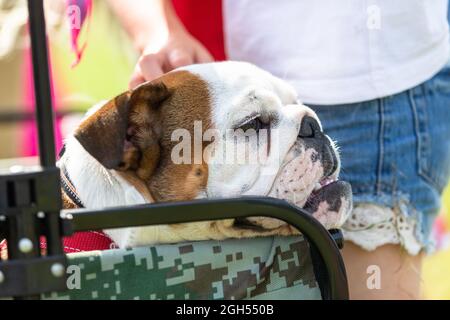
x=189 y=101
x=132 y=133
x=103 y=133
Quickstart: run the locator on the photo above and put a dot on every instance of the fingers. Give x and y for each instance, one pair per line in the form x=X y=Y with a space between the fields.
x=151 y=67
x=147 y=69
x=180 y=51
x=202 y=55
x=136 y=78
x=179 y=58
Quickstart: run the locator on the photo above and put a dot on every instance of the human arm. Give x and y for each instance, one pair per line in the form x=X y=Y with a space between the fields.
x=160 y=37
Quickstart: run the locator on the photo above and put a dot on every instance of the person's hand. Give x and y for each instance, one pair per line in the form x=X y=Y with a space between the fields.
x=179 y=49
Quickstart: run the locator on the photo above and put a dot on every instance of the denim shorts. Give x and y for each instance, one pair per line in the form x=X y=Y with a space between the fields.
x=395 y=151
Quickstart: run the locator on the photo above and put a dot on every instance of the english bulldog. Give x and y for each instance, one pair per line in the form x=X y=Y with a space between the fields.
x=171 y=139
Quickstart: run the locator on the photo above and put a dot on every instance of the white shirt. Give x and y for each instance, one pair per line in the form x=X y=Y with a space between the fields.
x=340 y=51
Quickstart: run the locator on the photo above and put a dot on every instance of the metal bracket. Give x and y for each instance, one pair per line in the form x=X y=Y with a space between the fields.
x=29 y=211
x=33 y=277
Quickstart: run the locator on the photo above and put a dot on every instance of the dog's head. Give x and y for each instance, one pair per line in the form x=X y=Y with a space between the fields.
x=219 y=130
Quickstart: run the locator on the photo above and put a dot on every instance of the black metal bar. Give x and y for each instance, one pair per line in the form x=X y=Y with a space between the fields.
x=204 y=210
x=42 y=87
x=28 y=199
x=9 y=117
x=27 y=274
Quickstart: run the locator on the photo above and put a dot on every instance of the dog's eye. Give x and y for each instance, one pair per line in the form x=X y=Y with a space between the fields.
x=255 y=124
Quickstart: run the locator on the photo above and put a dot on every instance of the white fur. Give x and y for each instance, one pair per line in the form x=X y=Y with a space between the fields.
x=239 y=89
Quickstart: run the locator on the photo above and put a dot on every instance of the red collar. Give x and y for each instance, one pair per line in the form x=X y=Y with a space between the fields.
x=88 y=241
x=79 y=242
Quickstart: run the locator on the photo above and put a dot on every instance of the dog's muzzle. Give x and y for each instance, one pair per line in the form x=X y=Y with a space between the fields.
x=313 y=137
x=309 y=179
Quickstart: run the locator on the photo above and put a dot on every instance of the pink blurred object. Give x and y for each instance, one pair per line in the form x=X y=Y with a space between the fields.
x=78 y=12
x=29 y=138
x=441 y=233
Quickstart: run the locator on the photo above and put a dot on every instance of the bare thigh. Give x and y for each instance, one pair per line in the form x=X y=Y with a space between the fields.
x=388 y=272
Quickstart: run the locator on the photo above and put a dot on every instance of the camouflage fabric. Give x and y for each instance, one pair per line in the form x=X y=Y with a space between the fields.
x=262 y=268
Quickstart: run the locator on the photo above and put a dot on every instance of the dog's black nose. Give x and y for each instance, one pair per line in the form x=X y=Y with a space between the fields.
x=313 y=137
x=309 y=128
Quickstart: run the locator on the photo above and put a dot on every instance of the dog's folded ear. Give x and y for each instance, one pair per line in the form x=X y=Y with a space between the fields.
x=116 y=134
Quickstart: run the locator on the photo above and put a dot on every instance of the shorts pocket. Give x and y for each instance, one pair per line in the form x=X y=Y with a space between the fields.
x=431 y=111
